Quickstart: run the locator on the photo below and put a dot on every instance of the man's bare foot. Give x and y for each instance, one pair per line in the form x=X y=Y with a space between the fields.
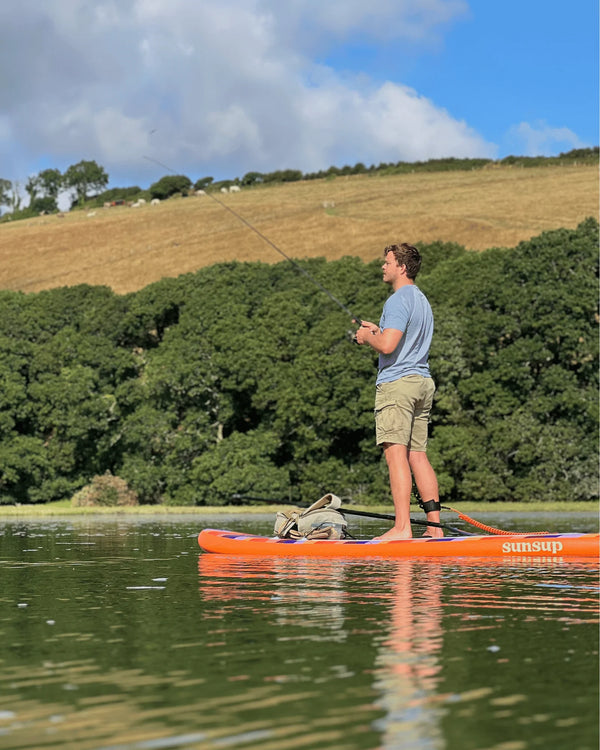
x=394 y=533
x=433 y=532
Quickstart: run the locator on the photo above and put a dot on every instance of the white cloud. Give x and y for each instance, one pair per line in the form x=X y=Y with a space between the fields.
x=315 y=21
x=417 y=129
x=541 y=139
x=219 y=87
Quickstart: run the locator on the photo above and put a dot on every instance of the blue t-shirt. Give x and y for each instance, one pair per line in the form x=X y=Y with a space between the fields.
x=409 y=311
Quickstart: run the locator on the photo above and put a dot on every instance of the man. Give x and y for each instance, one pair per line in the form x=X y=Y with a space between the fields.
x=404 y=390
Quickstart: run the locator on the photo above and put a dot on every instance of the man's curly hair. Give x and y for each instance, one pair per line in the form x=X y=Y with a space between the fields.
x=406 y=255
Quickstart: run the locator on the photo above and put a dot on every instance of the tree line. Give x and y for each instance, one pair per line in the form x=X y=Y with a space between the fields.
x=240 y=381
x=81 y=179
x=86 y=181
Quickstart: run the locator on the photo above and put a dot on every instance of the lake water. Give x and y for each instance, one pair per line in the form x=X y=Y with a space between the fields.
x=119 y=634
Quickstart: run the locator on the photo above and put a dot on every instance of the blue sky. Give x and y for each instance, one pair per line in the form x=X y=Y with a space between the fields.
x=499 y=65
x=223 y=87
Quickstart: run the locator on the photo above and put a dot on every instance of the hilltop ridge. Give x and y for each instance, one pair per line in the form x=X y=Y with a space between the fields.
x=356 y=215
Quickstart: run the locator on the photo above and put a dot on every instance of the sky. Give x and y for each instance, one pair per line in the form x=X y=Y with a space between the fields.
x=224 y=87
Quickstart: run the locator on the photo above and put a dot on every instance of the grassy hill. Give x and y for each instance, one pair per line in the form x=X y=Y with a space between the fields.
x=127 y=249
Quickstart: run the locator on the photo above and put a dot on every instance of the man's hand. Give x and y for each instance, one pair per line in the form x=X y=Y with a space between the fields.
x=384 y=342
x=366 y=329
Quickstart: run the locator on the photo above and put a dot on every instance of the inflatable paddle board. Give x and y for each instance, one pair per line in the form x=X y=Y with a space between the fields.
x=510 y=545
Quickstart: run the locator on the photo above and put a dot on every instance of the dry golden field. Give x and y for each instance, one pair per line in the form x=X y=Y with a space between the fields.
x=126 y=248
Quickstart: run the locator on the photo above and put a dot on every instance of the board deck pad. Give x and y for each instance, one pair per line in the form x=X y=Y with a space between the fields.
x=511 y=545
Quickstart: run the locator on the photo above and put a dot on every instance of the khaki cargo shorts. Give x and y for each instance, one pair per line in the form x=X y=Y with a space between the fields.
x=402 y=410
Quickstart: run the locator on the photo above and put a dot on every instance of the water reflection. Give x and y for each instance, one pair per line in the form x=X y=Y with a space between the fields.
x=409 y=658
x=121 y=636
x=425 y=622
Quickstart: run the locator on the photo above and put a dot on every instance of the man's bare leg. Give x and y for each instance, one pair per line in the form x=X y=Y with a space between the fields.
x=400 y=485
x=427 y=484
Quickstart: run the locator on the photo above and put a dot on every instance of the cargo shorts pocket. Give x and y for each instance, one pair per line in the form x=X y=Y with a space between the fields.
x=388 y=418
x=392 y=424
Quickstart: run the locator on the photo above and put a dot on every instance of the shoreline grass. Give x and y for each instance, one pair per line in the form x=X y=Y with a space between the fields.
x=64 y=508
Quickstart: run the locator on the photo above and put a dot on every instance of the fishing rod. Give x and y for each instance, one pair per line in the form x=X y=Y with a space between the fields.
x=388 y=517
x=354 y=317
x=366 y=514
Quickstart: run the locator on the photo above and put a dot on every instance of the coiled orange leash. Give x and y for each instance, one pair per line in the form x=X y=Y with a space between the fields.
x=434 y=505
x=485 y=527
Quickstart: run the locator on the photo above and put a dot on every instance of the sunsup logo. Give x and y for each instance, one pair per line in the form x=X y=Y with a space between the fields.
x=551 y=546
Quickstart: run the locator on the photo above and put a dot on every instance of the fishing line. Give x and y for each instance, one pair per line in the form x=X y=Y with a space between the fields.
x=355 y=318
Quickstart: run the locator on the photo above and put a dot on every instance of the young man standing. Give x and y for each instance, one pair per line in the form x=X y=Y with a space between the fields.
x=404 y=390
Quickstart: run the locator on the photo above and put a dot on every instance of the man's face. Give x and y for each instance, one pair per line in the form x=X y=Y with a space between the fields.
x=390 y=269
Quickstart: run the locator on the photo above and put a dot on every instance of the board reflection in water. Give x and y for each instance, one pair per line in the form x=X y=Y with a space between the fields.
x=440 y=646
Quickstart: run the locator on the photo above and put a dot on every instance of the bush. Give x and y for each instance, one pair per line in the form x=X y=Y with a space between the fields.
x=202 y=183
x=46 y=204
x=170 y=185
x=105 y=491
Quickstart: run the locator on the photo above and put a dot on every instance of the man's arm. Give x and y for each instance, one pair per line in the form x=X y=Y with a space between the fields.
x=383 y=342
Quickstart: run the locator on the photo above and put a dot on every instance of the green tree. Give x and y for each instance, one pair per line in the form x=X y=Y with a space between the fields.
x=66 y=360
x=5 y=188
x=32 y=187
x=283 y=175
x=244 y=464
x=24 y=468
x=202 y=183
x=46 y=205
x=84 y=178
x=515 y=356
x=10 y=195
x=239 y=380
x=50 y=182
x=170 y=185
x=252 y=178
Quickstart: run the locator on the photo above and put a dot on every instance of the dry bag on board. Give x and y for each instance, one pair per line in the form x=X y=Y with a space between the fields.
x=322 y=520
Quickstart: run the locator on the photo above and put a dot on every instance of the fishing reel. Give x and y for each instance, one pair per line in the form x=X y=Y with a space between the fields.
x=351 y=335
